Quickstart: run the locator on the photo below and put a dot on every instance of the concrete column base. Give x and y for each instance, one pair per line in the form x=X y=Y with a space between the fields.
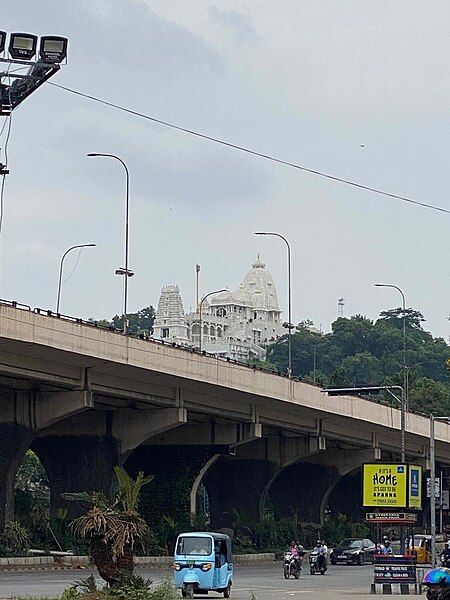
x=77 y=464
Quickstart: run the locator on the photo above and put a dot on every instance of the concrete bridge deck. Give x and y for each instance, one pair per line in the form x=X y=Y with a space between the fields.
x=125 y=370
x=82 y=395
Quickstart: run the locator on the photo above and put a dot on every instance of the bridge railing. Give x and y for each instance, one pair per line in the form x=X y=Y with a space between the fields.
x=147 y=338
x=142 y=336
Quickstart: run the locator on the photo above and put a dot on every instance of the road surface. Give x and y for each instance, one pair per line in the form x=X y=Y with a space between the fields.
x=264 y=580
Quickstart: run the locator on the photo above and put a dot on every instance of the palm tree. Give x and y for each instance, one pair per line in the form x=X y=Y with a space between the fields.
x=113 y=529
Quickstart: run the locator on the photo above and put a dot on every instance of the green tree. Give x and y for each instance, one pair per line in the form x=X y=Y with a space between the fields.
x=360 y=351
x=139 y=322
x=113 y=528
x=429 y=396
x=362 y=368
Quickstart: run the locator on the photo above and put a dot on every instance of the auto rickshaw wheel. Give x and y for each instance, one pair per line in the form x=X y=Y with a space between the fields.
x=188 y=591
x=227 y=591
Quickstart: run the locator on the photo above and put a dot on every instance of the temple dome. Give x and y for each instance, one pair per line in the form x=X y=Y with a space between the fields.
x=260 y=287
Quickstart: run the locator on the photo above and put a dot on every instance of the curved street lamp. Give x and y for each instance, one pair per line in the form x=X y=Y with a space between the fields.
x=58 y=297
x=200 y=316
x=125 y=271
x=289 y=295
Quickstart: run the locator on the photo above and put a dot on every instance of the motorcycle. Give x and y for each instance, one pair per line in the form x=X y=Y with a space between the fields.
x=317 y=563
x=292 y=566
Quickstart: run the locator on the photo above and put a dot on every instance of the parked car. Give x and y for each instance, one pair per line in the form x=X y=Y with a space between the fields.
x=353 y=552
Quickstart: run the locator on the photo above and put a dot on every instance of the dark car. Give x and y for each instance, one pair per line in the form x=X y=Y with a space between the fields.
x=353 y=552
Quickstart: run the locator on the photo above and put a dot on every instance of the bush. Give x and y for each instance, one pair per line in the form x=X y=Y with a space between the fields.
x=15 y=540
x=134 y=588
x=337 y=528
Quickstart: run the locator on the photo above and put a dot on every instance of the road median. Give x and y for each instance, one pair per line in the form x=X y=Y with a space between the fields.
x=33 y=563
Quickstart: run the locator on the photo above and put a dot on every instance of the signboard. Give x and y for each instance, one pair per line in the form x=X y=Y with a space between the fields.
x=398 y=518
x=437 y=487
x=415 y=487
x=394 y=569
x=392 y=486
x=384 y=485
x=445 y=500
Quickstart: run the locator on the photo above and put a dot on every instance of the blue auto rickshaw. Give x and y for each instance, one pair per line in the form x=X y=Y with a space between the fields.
x=203 y=563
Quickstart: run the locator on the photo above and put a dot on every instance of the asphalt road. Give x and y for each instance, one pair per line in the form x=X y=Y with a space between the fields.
x=265 y=581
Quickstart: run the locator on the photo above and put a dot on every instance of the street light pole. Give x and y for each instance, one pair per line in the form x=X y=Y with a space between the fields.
x=433 y=494
x=402 y=403
x=289 y=295
x=376 y=390
x=433 y=488
x=200 y=315
x=126 y=271
x=405 y=366
x=61 y=264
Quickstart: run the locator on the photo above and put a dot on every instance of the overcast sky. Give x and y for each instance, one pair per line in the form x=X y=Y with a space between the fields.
x=358 y=89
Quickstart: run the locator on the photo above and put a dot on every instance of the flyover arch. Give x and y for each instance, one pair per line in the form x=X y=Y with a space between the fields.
x=304 y=486
x=196 y=485
x=335 y=499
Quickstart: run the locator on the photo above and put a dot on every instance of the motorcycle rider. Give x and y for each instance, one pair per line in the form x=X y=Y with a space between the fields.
x=437 y=582
x=321 y=557
x=293 y=549
x=387 y=547
x=300 y=549
x=445 y=556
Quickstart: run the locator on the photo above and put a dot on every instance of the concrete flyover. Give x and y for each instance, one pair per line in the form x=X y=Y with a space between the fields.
x=85 y=399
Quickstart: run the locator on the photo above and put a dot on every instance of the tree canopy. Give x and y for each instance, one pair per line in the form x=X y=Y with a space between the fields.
x=138 y=322
x=359 y=351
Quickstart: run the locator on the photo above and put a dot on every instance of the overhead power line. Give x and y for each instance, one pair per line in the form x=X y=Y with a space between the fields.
x=250 y=151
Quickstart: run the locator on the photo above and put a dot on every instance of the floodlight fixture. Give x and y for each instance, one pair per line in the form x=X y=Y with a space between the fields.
x=53 y=49
x=2 y=41
x=123 y=271
x=22 y=46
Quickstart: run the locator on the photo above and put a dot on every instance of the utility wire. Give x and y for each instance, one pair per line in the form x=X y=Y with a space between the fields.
x=2 y=196
x=249 y=151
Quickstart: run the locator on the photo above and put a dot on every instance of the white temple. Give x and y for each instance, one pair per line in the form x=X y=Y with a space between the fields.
x=234 y=324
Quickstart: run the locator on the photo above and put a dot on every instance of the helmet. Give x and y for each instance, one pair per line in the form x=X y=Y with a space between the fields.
x=437 y=577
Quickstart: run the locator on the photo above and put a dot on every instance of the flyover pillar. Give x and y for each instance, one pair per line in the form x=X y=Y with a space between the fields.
x=235 y=487
x=75 y=464
x=14 y=442
x=23 y=412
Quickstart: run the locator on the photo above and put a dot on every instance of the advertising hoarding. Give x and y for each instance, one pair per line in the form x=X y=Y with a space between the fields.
x=392 y=486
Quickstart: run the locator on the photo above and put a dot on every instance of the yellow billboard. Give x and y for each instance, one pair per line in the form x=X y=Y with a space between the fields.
x=385 y=485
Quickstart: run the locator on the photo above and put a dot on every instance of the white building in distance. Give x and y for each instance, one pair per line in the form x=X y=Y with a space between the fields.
x=234 y=324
